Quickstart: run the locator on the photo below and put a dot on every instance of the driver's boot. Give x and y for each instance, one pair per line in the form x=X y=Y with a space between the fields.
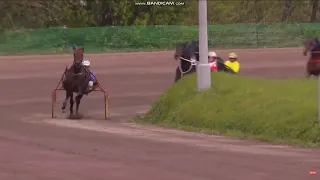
x=93 y=87
x=90 y=87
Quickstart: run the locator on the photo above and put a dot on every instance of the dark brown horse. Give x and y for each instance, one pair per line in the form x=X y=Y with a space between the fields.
x=313 y=65
x=188 y=55
x=76 y=79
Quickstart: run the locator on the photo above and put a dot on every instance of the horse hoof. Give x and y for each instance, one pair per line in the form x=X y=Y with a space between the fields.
x=71 y=116
x=75 y=116
x=79 y=116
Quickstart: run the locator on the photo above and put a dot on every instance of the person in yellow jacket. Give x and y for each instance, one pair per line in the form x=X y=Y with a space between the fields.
x=233 y=62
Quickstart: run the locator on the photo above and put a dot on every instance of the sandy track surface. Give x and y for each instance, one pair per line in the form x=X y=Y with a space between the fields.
x=34 y=146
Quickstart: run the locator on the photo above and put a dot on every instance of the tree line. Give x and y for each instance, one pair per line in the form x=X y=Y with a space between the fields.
x=19 y=14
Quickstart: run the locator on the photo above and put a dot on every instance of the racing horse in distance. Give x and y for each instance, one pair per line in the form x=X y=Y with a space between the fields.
x=188 y=55
x=76 y=79
x=313 y=65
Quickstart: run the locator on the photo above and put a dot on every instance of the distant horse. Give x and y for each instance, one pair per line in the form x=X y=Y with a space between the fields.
x=313 y=65
x=76 y=79
x=188 y=55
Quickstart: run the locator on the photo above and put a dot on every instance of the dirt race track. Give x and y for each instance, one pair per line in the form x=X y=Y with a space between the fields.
x=36 y=147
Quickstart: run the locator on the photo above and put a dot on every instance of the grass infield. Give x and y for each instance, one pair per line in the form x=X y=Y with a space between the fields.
x=279 y=111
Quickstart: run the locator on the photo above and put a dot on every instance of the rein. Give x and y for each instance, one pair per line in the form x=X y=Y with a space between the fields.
x=192 y=61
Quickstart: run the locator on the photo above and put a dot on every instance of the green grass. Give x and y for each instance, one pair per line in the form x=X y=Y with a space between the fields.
x=278 y=111
x=141 y=38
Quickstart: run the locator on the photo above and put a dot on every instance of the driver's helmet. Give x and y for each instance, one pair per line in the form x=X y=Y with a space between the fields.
x=233 y=55
x=212 y=54
x=86 y=63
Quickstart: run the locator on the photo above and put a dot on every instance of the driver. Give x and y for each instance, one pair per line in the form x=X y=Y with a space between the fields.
x=214 y=60
x=93 y=81
x=233 y=62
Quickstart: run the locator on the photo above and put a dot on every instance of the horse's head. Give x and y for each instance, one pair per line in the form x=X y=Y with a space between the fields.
x=77 y=59
x=191 y=50
x=309 y=45
x=77 y=56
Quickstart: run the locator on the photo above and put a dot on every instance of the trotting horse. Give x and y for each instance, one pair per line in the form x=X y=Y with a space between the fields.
x=188 y=55
x=313 y=65
x=76 y=79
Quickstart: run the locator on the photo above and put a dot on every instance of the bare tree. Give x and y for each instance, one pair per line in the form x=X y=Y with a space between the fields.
x=33 y=14
x=314 y=4
x=287 y=10
x=258 y=11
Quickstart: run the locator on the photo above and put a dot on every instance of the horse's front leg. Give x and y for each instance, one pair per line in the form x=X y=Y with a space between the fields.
x=80 y=91
x=71 y=103
x=78 y=99
x=177 y=75
x=64 y=104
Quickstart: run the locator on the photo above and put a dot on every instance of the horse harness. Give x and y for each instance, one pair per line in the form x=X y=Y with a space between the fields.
x=192 y=61
x=73 y=73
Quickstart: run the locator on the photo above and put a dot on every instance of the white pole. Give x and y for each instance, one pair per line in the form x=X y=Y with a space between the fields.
x=203 y=68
